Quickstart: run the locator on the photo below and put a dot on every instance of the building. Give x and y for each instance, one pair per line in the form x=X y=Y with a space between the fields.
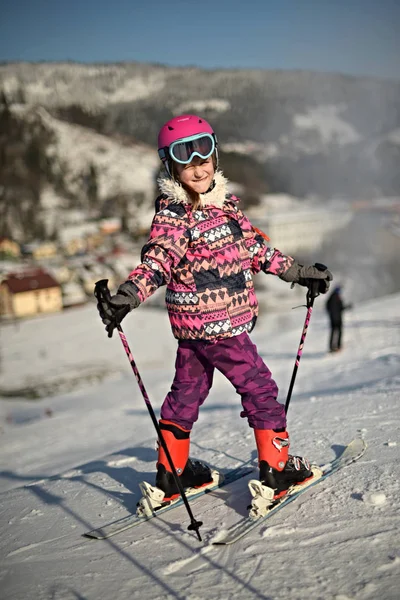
x=295 y=226
x=40 y=250
x=74 y=238
x=73 y=294
x=302 y=230
x=28 y=293
x=110 y=226
x=9 y=249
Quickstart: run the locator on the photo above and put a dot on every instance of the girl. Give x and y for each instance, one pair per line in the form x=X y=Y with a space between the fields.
x=204 y=249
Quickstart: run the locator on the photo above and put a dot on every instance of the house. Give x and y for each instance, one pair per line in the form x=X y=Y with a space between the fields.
x=73 y=294
x=9 y=249
x=40 y=250
x=29 y=292
x=74 y=239
x=110 y=226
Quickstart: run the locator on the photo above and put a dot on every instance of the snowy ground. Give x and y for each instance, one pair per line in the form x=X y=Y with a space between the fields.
x=72 y=462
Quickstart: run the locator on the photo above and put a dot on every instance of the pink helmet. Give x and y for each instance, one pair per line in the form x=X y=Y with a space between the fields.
x=181 y=127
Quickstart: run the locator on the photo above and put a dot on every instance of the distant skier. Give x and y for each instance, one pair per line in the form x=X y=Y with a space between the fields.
x=335 y=308
x=205 y=250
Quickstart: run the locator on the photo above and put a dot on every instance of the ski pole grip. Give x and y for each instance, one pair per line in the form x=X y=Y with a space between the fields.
x=103 y=295
x=101 y=290
x=314 y=289
x=320 y=267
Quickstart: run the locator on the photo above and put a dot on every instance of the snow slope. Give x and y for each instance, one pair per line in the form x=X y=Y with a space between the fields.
x=73 y=462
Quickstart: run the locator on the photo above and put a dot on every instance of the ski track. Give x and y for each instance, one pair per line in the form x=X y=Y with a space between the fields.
x=29 y=547
x=178 y=565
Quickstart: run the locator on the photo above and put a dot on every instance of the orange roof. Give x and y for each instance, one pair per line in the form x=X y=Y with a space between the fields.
x=6 y=239
x=27 y=281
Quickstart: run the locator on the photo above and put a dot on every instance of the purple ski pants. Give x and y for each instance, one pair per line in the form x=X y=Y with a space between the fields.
x=237 y=358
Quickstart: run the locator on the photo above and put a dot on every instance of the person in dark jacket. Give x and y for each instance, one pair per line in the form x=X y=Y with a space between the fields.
x=335 y=308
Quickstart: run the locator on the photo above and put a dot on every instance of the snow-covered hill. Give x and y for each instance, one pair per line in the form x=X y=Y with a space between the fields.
x=60 y=84
x=121 y=168
x=123 y=174
x=316 y=133
x=74 y=461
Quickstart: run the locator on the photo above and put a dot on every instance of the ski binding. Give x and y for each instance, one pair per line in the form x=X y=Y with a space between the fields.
x=153 y=498
x=350 y=453
x=263 y=496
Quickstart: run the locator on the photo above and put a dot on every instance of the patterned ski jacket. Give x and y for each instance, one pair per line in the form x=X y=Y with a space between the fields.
x=206 y=258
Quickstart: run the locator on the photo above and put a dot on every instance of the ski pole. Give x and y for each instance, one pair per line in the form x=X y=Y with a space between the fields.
x=312 y=293
x=102 y=294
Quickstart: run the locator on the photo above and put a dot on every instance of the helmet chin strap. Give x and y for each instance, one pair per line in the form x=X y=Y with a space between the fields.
x=212 y=186
x=216 y=157
x=167 y=169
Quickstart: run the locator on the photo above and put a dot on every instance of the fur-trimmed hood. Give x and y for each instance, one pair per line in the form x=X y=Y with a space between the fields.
x=215 y=197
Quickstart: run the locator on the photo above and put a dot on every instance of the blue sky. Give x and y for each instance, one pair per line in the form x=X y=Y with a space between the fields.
x=348 y=36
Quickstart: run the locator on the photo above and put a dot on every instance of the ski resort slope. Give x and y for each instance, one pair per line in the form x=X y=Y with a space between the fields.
x=73 y=461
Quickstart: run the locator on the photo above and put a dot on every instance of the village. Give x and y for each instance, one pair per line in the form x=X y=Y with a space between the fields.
x=50 y=276
x=45 y=277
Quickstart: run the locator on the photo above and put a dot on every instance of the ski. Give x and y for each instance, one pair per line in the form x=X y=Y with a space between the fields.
x=352 y=452
x=107 y=531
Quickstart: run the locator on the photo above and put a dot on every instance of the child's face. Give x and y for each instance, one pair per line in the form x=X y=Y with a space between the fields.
x=197 y=175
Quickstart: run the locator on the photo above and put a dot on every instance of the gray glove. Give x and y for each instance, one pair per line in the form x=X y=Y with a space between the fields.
x=126 y=294
x=112 y=312
x=304 y=275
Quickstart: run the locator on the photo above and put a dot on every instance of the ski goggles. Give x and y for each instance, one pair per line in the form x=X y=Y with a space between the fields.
x=183 y=151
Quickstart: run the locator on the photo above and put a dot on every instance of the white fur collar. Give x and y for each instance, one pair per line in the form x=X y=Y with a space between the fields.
x=215 y=197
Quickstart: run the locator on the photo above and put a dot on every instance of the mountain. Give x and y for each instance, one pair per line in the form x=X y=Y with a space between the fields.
x=84 y=135
x=51 y=167
x=327 y=134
